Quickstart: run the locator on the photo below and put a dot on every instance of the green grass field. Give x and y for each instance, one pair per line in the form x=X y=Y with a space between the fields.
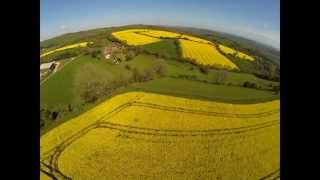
x=60 y=89
x=165 y=47
x=206 y=91
x=180 y=88
x=178 y=68
x=63 y=87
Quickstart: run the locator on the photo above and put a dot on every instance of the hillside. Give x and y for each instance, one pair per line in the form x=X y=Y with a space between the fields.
x=265 y=50
x=153 y=101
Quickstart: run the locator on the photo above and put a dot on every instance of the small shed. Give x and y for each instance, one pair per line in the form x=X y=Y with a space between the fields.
x=47 y=65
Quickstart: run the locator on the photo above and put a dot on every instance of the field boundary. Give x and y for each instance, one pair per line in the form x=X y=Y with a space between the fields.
x=61 y=67
x=53 y=155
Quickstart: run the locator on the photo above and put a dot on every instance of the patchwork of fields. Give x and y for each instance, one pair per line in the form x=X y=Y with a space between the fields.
x=202 y=51
x=156 y=115
x=149 y=136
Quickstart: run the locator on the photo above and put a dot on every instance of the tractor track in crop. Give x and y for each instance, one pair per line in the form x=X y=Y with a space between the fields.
x=52 y=169
x=201 y=112
x=273 y=175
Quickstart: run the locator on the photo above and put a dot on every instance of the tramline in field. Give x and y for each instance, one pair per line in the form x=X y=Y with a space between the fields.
x=147 y=135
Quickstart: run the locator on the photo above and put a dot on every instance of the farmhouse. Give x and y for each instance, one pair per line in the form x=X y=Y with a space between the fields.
x=112 y=48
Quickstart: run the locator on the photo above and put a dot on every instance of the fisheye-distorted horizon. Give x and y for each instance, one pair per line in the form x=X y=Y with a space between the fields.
x=253 y=19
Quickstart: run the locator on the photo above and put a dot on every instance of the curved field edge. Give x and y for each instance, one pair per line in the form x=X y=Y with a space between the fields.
x=67 y=129
x=61 y=158
x=54 y=143
x=183 y=89
x=52 y=96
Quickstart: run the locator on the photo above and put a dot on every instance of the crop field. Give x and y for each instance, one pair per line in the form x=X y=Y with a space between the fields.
x=133 y=38
x=196 y=39
x=202 y=51
x=241 y=55
x=77 y=45
x=205 y=54
x=150 y=136
x=158 y=34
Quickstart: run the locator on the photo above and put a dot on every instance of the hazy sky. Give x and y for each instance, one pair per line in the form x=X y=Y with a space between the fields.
x=254 y=19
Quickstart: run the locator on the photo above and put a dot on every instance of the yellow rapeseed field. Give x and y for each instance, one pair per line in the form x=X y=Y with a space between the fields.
x=202 y=51
x=192 y=38
x=241 y=55
x=133 y=38
x=44 y=176
x=158 y=34
x=149 y=136
x=205 y=54
x=77 y=45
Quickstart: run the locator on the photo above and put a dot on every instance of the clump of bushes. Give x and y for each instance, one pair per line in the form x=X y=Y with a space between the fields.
x=100 y=84
x=190 y=77
x=48 y=115
x=204 y=69
x=158 y=69
x=248 y=84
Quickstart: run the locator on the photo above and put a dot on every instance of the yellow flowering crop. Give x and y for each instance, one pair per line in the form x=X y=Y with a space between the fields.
x=149 y=136
x=241 y=55
x=158 y=34
x=132 y=38
x=202 y=51
x=77 y=45
x=44 y=176
x=205 y=54
x=192 y=38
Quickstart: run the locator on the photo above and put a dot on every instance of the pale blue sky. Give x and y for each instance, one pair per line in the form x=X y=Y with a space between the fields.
x=255 y=19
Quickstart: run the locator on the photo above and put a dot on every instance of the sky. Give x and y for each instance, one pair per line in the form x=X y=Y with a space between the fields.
x=254 y=19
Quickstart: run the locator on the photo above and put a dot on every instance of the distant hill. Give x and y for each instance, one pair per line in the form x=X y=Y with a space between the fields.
x=252 y=46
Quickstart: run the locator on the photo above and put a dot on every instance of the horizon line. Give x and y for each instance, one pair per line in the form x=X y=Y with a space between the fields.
x=187 y=26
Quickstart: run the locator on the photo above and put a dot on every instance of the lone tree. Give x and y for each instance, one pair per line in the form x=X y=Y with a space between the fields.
x=248 y=84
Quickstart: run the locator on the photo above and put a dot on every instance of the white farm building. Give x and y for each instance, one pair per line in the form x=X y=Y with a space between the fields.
x=46 y=65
